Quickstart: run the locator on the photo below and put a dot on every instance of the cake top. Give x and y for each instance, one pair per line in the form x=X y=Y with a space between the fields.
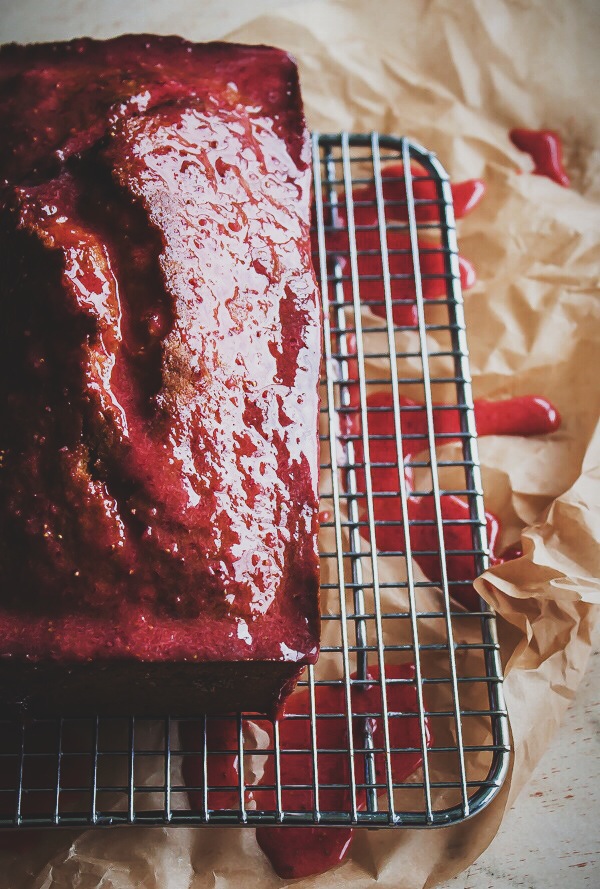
x=163 y=347
x=57 y=99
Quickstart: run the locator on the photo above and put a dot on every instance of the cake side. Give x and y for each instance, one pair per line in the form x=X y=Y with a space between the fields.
x=160 y=367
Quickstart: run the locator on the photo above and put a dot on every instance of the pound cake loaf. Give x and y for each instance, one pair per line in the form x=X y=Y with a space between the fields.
x=160 y=351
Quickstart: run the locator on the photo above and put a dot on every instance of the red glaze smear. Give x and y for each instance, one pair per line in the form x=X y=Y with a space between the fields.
x=39 y=771
x=523 y=415
x=303 y=852
x=545 y=148
x=466 y=196
x=512 y=552
x=222 y=759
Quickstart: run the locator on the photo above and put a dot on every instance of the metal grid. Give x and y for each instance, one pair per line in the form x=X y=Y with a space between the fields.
x=380 y=609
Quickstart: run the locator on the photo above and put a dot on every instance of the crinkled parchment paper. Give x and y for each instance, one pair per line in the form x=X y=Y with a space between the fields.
x=455 y=77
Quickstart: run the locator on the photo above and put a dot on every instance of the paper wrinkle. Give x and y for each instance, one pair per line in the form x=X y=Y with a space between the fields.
x=454 y=77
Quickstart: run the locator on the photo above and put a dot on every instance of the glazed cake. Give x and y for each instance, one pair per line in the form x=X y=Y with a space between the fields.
x=160 y=354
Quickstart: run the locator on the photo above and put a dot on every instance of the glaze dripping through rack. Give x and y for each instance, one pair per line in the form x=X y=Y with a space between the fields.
x=402 y=722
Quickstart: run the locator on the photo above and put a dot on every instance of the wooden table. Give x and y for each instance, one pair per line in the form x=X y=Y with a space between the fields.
x=551 y=837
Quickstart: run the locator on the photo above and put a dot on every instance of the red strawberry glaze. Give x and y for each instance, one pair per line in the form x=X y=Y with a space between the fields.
x=322 y=848
x=523 y=415
x=466 y=195
x=39 y=771
x=545 y=149
x=402 y=284
x=223 y=762
x=298 y=852
x=514 y=551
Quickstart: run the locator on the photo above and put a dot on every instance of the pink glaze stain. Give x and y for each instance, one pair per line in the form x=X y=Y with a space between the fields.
x=302 y=852
x=223 y=774
x=545 y=149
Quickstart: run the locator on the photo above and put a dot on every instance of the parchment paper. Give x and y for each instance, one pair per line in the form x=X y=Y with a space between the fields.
x=455 y=77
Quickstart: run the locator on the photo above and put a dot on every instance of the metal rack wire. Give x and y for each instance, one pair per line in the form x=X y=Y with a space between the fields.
x=366 y=740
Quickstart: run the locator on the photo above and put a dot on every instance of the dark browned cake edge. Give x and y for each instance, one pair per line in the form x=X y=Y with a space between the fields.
x=123 y=688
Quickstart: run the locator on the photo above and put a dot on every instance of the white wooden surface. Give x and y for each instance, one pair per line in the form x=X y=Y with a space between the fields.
x=551 y=837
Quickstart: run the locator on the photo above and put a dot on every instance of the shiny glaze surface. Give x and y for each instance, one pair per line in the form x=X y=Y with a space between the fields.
x=59 y=98
x=545 y=150
x=161 y=359
x=306 y=851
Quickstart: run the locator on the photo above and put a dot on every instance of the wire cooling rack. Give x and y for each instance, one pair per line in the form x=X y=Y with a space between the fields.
x=402 y=722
